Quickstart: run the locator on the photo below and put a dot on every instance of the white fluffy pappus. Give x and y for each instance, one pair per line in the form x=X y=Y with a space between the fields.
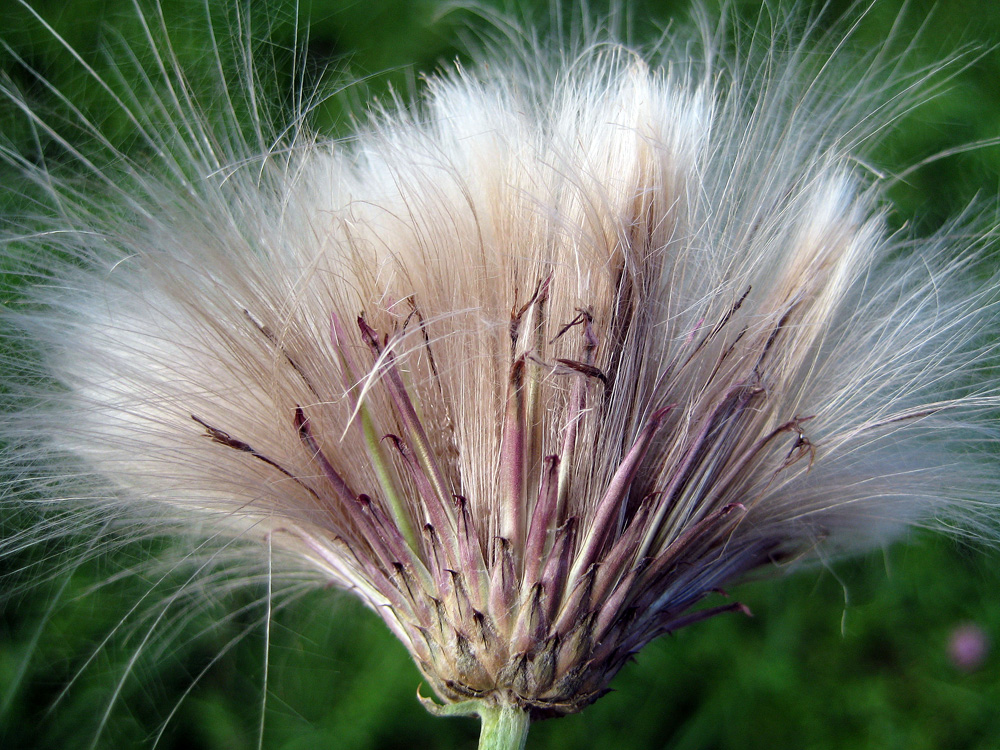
x=533 y=367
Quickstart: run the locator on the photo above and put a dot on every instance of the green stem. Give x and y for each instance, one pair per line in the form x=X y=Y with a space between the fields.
x=505 y=727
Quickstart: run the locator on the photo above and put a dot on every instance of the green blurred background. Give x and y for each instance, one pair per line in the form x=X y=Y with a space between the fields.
x=853 y=655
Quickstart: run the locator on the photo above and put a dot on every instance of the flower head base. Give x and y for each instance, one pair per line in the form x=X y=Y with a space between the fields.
x=542 y=614
x=536 y=373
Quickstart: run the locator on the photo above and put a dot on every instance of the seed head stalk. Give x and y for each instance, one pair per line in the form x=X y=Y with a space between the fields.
x=505 y=727
x=504 y=724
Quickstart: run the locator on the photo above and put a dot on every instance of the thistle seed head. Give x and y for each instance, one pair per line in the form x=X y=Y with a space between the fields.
x=535 y=370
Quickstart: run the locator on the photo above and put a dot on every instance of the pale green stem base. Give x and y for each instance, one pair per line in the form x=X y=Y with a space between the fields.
x=505 y=727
